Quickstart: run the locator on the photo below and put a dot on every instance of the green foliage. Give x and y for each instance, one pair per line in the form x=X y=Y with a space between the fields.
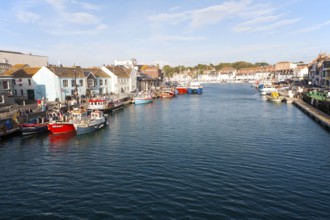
x=241 y=64
x=199 y=69
x=261 y=64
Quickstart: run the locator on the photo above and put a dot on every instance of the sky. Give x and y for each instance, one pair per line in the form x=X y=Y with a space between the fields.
x=166 y=32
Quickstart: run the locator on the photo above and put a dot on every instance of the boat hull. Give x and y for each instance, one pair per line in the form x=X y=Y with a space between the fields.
x=61 y=128
x=195 y=91
x=83 y=129
x=27 y=129
x=142 y=101
x=182 y=90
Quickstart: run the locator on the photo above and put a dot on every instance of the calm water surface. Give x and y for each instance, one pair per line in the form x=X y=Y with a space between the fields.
x=225 y=154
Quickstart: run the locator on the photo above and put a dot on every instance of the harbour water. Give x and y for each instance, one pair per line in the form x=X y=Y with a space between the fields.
x=227 y=153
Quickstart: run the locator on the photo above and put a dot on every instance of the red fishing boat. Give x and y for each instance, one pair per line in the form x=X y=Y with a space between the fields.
x=67 y=125
x=182 y=89
x=61 y=127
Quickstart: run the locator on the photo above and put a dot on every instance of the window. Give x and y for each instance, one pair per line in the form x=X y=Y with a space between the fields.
x=5 y=85
x=15 y=92
x=29 y=82
x=106 y=82
x=22 y=92
x=81 y=82
x=90 y=83
x=73 y=83
x=101 y=82
x=65 y=83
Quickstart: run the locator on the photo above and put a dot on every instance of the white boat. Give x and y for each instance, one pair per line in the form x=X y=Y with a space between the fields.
x=104 y=104
x=266 y=89
x=95 y=121
x=195 y=88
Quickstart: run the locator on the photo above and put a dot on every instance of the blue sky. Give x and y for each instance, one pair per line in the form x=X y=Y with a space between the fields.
x=173 y=32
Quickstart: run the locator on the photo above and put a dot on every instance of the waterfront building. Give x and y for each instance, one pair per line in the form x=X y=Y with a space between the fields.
x=326 y=73
x=58 y=83
x=13 y=58
x=120 y=79
x=318 y=71
x=246 y=74
x=300 y=72
x=227 y=74
x=284 y=70
x=23 y=86
x=132 y=64
x=149 y=76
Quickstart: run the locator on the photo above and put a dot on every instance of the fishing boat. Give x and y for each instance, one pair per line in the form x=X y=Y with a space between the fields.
x=90 y=123
x=34 y=126
x=142 y=98
x=61 y=127
x=105 y=104
x=275 y=97
x=8 y=128
x=182 y=88
x=195 y=88
x=266 y=89
x=66 y=123
x=167 y=93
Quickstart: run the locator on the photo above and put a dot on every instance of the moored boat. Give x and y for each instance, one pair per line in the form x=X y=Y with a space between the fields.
x=33 y=128
x=104 y=104
x=91 y=123
x=61 y=127
x=142 y=98
x=66 y=125
x=275 y=97
x=8 y=128
x=195 y=88
x=167 y=93
x=182 y=89
x=266 y=89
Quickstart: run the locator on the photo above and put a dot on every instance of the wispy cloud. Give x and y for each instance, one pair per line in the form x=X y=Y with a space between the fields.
x=81 y=18
x=315 y=27
x=88 y=6
x=178 y=38
x=27 y=17
x=57 y=4
x=74 y=12
x=247 y=15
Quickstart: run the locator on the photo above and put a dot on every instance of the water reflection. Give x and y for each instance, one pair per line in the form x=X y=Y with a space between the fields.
x=58 y=139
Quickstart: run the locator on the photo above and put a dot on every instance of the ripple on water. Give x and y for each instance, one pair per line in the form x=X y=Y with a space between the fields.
x=225 y=154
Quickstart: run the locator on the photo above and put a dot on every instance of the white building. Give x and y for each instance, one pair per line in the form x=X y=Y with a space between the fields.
x=13 y=58
x=121 y=82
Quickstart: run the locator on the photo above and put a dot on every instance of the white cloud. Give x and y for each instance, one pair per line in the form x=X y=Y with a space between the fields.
x=247 y=15
x=81 y=18
x=315 y=27
x=178 y=38
x=27 y=17
x=57 y=4
x=102 y=27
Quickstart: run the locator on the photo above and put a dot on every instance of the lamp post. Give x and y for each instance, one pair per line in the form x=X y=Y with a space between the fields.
x=75 y=85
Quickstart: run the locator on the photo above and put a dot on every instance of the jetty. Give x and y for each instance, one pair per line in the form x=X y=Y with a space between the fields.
x=319 y=116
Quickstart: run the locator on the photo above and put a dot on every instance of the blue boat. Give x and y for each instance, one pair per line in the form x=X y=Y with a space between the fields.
x=195 y=88
x=95 y=122
x=143 y=99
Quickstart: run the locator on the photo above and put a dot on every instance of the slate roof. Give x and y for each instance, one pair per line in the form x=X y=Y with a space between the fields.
x=120 y=71
x=25 y=72
x=72 y=72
